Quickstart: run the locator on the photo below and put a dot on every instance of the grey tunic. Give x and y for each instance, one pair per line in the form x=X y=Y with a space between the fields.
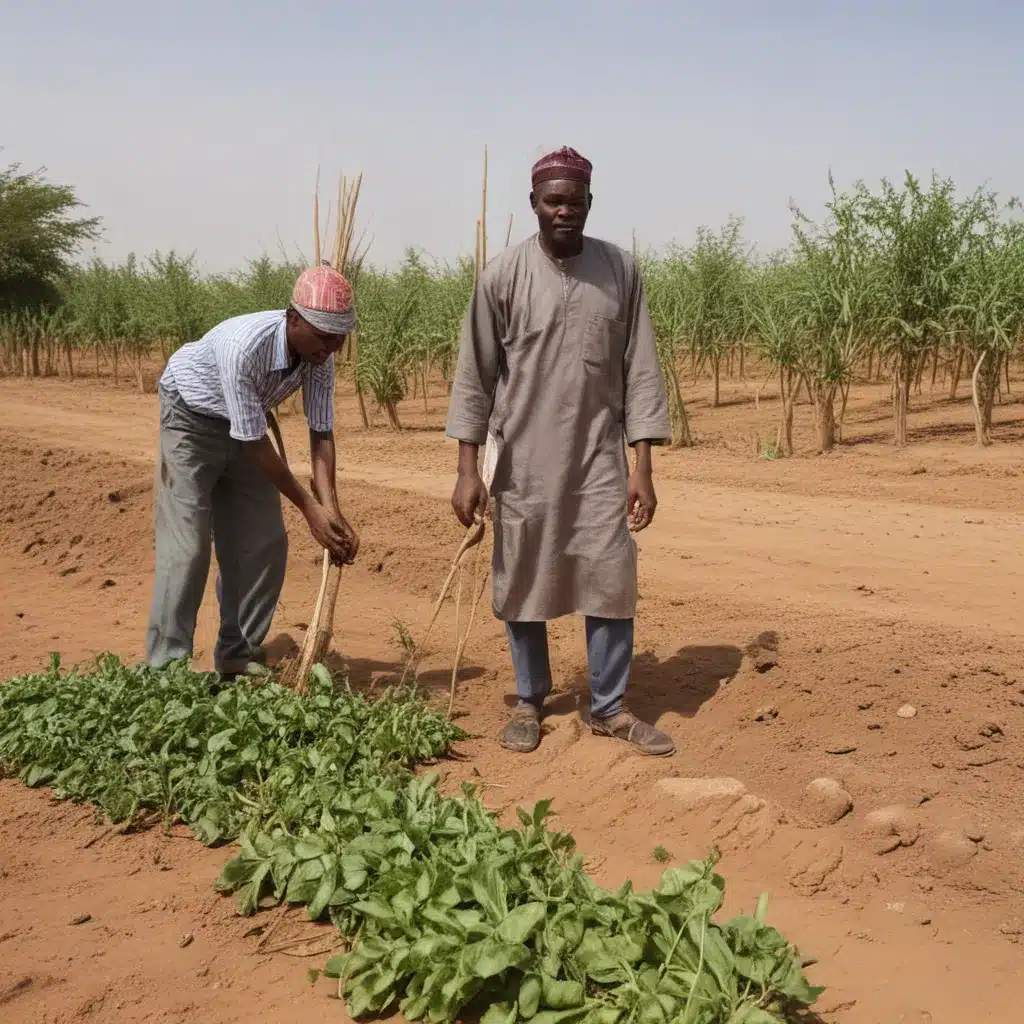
x=557 y=360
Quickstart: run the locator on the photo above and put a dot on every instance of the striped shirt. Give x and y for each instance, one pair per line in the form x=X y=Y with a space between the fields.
x=242 y=369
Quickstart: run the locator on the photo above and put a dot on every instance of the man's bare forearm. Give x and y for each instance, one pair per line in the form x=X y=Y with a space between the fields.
x=468 y=458
x=267 y=458
x=642 y=451
x=324 y=460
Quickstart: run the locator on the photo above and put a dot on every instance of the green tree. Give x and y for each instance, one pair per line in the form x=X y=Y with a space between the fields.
x=39 y=236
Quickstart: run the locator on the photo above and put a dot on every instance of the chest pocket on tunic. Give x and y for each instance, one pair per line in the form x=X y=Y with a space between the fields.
x=604 y=343
x=604 y=350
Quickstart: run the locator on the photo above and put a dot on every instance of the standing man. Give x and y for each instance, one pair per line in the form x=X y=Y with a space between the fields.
x=220 y=474
x=558 y=362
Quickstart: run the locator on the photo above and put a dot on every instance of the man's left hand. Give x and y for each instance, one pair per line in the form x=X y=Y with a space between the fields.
x=641 y=501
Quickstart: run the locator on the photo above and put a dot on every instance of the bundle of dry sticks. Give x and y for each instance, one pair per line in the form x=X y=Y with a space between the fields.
x=321 y=627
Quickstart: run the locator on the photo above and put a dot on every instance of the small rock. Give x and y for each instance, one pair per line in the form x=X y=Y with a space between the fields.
x=889 y=828
x=949 y=850
x=841 y=748
x=697 y=794
x=825 y=802
x=767 y=714
x=186 y=940
x=107 y=584
x=763 y=651
x=907 y=711
x=81 y=919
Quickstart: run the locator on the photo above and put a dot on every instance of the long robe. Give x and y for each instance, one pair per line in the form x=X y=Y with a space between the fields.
x=557 y=361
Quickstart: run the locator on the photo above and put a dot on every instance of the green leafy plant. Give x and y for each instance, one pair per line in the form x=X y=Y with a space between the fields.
x=444 y=908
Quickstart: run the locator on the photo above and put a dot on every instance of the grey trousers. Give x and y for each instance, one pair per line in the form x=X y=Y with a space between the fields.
x=208 y=489
x=609 y=655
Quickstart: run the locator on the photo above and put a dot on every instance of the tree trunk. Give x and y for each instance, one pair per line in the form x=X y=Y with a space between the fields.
x=392 y=411
x=354 y=357
x=825 y=415
x=935 y=366
x=958 y=368
x=919 y=376
x=845 y=390
x=984 y=382
x=786 y=386
x=717 y=364
x=743 y=374
x=902 y=378
x=69 y=353
x=871 y=361
x=681 y=436
x=115 y=355
x=35 y=359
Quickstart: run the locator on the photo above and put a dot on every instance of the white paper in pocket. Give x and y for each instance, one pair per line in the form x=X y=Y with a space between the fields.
x=490 y=460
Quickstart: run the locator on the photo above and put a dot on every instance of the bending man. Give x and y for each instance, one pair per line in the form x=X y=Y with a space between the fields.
x=220 y=474
x=558 y=362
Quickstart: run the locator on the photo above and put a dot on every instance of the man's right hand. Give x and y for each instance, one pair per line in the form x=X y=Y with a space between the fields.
x=333 y=533
x=469 y=498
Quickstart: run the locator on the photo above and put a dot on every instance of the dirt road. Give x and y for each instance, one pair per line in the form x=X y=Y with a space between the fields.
x=783 y=618
x=910 y=562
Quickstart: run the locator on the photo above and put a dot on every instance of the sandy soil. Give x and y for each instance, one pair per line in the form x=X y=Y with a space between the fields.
x=788 y=610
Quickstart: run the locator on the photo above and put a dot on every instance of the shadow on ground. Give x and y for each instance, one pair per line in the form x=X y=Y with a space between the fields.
x=368 y=674
x=679 y=685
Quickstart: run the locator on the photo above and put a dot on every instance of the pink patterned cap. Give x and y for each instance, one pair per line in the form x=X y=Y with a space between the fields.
x=323 y=297
x=563 y=165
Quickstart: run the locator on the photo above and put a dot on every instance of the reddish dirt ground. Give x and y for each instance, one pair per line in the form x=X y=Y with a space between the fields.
x=788 y=610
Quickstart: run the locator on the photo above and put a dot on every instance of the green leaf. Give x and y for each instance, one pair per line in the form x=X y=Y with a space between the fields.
x=221 y=741
x=529 y=995
x=559 y=1016
x=324 y=892
x=495 y=957
x=522 y=922
x=500 y=1013
x=561 y=995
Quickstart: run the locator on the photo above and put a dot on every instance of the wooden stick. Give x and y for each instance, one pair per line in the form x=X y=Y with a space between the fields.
x=274 y=925
x=508 y=233
x=979 y=420
x=335 y=262
x=461 y=644
x=350 y=212
x=474 y=535
x=316 y=219
x=483 y=217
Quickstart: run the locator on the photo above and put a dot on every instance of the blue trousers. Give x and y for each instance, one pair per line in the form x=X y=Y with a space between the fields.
x=609 y=656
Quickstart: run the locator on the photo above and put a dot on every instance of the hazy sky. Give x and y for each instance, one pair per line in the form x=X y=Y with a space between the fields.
x=199 y=125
